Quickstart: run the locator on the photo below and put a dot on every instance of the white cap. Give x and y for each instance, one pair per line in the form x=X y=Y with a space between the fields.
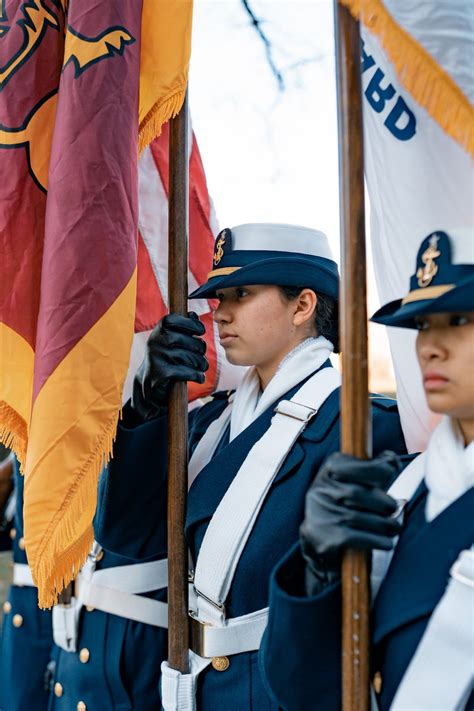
x=282 y=238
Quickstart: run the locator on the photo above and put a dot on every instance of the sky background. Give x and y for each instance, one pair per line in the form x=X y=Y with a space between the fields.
x=271 y=155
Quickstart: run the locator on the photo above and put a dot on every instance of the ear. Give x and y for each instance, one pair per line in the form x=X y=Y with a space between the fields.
x=305 y=306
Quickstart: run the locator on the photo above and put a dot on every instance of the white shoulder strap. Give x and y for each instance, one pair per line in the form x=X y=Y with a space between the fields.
x=441 y=672
x=234 y=518
x=403 y=488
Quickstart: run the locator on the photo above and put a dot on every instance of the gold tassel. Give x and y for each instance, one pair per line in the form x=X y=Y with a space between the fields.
x=13 y=431
x=420 y=74
x=162 y=111
x=67 y=563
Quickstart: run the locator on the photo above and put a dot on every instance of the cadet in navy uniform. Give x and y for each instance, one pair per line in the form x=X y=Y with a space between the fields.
x=26 y=638
x=101 y=657
x=422 y=635
x=254 y=453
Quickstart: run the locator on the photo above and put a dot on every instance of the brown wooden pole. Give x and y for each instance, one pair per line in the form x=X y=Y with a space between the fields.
x=178 y=634
x=355 y=410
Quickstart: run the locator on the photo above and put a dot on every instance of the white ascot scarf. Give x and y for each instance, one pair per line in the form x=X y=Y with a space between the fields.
x=250 y=402
x=449 y=467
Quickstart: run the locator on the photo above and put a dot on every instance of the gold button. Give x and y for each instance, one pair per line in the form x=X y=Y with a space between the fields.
x=377 y=682
x=81 y=706
x=7 y=607
x=220 y=663
x=58 y=689
x=17 y=620
x=89 y=608
x=99 y=555
x=13 y=533
x=21 y=544
x=84 y=655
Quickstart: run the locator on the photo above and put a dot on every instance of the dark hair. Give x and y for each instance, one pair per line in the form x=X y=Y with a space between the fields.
x=326 y=317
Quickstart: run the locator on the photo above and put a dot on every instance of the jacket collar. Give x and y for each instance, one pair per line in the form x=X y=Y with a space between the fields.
x=213 y=481
x=419 y=571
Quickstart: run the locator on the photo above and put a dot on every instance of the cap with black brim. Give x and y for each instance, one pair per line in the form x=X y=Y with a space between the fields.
x=286 y=269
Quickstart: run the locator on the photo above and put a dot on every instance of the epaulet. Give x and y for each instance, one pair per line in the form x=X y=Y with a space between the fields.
x=383 y=402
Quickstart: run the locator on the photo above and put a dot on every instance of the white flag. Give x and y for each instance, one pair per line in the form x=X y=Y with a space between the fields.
x=418 y=90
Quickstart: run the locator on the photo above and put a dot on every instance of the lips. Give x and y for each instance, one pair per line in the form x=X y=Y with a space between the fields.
x=433 y=381
x=225 y=338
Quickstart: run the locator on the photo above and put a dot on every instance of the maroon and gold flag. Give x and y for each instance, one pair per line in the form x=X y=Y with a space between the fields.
x=83 y=86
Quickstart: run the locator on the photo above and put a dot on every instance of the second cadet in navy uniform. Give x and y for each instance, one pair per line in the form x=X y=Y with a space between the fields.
x=107 y=639
x=422 y=636
x=26 y=637
x=254 y=453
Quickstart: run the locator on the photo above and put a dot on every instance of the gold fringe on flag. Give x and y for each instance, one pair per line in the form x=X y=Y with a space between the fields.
x=160 y=113
x=428 y=83
x=58 y=560
x=59 y=509
x=13 y=431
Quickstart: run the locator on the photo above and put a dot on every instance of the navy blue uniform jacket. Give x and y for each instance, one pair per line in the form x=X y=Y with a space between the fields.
x=301 y=649
x=24 y=649
x=137 y=490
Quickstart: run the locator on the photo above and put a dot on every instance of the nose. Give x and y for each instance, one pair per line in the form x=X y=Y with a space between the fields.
x=431 y=346
x=222 y=314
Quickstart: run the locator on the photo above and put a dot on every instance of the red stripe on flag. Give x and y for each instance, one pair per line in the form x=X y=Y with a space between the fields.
x=195 y=390
x=150 y=304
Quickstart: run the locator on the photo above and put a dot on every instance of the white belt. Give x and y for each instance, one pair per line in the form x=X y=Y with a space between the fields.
x=239 y=634
x=22 y=575
x=225 y=540
x=112 y=590
x=441 y=672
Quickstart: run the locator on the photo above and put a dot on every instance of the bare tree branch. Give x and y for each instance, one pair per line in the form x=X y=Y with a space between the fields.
x=267 y=44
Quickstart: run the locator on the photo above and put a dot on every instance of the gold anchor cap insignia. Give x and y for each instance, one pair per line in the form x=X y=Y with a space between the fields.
x=426 y=274
x=218 y=250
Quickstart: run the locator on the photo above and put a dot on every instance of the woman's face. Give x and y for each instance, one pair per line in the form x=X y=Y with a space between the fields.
x=257 y=325
x=445 y=349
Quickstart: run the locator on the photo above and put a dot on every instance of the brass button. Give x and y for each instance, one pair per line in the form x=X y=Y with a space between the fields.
x=21 y=544
x=58 y=689
x=377 y=682
x=17 y=620
x=81 y=706
x=99 y=555
x=7 y=607
x=13 y=533
x=89 y=608
x=84 y=655
x=220 y=664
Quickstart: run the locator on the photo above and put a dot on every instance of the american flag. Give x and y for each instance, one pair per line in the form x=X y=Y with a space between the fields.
x=152 y=287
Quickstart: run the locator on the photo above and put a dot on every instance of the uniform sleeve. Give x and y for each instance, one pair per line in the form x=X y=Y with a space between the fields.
x=300 y=655
x=131 y=510
x=386 y=426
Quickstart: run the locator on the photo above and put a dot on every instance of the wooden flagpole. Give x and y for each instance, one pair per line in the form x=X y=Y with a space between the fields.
x=178 y=631
x=355 y=409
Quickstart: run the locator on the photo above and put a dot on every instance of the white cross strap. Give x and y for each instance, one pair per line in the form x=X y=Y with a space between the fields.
x=22 y=575
x=115 y=591
x=234 y=518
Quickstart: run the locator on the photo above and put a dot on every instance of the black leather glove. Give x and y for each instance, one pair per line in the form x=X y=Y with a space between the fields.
x=347 y=507
x=174 y=352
